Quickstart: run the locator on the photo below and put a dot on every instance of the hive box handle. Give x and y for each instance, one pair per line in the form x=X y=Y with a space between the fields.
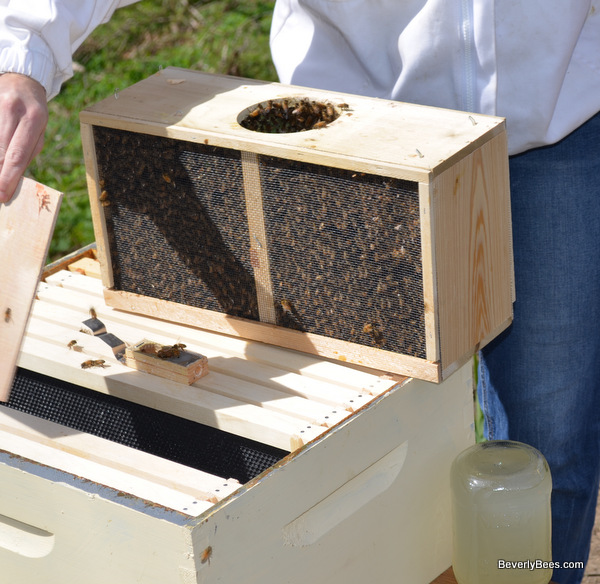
x=313 y=524
x=24 y=539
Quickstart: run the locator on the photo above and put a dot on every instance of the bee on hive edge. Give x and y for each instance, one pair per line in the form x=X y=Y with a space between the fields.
x=206 y=555
x=93 y=363
x=93 y=312
x=71 y=344
x=170 y=351
x=148 y=349
x=255 y=112
x=103 y=198
x=8 y=315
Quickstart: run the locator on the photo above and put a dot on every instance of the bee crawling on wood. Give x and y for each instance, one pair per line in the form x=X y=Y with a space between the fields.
x=93 y=363
x=93 y=312
x=255 y=112
x=170 y=351
x=71 y=344
x=8 y=315
x=205 y=555
x=148 y=349
x=103 y=198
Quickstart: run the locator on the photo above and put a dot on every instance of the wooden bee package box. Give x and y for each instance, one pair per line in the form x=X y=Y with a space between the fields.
x=369 y=231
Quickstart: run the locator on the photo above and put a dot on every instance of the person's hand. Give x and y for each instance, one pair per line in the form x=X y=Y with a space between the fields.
x=23 y=119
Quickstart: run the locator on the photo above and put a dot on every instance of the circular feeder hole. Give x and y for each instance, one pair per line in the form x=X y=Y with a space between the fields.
x=287 y=115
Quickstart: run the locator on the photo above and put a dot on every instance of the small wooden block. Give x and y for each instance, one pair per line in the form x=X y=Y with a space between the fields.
x=86 y=266
x=186 y=367
x=93 y=326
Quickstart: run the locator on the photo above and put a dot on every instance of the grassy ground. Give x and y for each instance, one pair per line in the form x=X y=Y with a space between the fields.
x=216 y=36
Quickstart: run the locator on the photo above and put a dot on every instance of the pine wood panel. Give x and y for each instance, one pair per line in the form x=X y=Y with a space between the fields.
x=258 y=239
x=473 y=224
x=423 y=140
x=26 y=225
x=95 y=192
x=327 y=347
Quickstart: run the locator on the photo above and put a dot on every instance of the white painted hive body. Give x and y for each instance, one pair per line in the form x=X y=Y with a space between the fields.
x=364 y=494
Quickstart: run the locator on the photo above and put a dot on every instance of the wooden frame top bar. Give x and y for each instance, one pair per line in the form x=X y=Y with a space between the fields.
x=179 y=103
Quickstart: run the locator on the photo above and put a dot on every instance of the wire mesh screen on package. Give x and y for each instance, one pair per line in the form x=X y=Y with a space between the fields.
x=344 y=247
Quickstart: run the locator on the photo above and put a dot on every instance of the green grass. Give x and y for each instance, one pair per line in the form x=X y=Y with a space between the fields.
x=215 y=36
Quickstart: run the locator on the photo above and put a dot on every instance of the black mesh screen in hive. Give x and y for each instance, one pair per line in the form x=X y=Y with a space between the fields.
x=183 y=441
x=345 y=254
x=176 y=221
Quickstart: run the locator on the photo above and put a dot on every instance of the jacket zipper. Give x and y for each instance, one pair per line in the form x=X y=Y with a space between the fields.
x=467 y=55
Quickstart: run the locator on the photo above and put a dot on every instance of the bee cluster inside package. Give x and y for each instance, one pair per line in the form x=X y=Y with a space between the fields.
x=364 y=230
x=262 y=370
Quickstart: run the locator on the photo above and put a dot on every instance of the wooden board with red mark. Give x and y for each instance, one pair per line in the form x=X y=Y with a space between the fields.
x=26 y=226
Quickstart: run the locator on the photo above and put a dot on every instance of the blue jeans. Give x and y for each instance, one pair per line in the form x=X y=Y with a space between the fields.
x=539 y=382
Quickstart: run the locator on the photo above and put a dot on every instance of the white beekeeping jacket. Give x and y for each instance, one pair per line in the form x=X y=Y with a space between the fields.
x=39 y=37
x=535 y=62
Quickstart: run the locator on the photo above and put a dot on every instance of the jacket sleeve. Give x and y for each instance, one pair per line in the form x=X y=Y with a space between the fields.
x=39 y=37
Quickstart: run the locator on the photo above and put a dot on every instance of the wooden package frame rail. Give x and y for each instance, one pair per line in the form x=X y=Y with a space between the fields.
x=456 y=162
